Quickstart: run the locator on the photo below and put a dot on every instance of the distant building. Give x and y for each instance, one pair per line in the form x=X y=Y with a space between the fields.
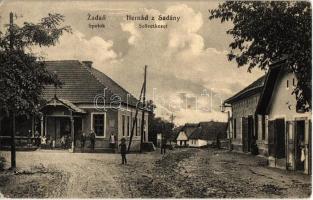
x=207 y=133
x=88 y=100
x=184 y=133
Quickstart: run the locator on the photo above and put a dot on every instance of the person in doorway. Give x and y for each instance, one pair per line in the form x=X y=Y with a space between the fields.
x=254 y=147
x=112 y=142
x=63 y=142
x=123 y=151
x=302 y=149
x=82 y=141
x=92 y=139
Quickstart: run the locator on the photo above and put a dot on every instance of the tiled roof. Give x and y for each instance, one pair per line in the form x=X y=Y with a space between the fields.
x=114 y=87
x=251 y=89
x=210 y=130
x=81 y=84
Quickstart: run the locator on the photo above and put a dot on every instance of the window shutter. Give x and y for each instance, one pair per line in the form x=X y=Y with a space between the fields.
x=271 y=138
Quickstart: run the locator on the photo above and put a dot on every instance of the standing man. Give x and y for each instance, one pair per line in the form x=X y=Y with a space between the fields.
x=123 y=151
x=92 y=139
x=112 y=142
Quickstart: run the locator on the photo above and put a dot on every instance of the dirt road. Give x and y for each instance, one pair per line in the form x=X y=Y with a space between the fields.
x=180 y=173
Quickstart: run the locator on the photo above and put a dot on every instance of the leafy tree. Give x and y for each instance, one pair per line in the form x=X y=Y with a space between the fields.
x=266 y=31
x=158 y=125
x=22 y=73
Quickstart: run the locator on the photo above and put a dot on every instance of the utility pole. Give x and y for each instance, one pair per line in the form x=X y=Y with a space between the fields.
x=143 y=110
x=135 y=121
x=13 y=150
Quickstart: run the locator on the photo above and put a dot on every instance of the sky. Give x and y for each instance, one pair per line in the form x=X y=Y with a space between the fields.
x=188 y=74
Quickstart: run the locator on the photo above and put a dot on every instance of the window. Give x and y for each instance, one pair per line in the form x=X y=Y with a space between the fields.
x=123 y=125
x=144 y=125
x=293 y=82
x=139 y=127
x=287 y=84
x=135 y=128
x=128 y=125
x=235 y=134
x=98 y=124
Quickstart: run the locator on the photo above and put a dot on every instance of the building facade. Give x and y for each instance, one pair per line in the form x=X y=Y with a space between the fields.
x=242 y=119
x=88 y=101
x=184 y=133
x=287 y=128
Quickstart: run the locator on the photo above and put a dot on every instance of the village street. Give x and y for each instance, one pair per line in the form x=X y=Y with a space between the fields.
x=180 y=173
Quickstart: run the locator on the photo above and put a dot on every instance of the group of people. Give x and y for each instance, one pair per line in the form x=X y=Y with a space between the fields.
x=92 y=138
x=112 y=140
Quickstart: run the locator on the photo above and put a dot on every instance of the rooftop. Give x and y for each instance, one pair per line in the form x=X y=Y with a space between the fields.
x=82 y=83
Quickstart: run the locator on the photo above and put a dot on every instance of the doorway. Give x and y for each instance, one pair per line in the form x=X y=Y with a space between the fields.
x=58 y=130
x=247 y=133
x=78 y=128
x=299 y=144
x=280 y=138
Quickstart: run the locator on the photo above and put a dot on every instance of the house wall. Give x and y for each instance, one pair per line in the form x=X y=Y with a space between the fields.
x=130 y=112
x=114 y=125
x=198 y=143
x=182 y=136
x=283 y=105
x=240 y=109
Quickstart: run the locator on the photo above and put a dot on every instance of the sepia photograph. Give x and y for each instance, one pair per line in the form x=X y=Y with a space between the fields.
x=155 y=99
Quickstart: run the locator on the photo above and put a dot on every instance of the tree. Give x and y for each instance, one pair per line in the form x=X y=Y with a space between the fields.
x=159 y=125
x=23 y=74
x=266 y=31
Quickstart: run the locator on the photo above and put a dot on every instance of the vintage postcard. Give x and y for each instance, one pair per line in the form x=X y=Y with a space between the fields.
x=155 y=99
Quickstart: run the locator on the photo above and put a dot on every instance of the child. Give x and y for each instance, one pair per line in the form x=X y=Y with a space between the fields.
x=123 y=151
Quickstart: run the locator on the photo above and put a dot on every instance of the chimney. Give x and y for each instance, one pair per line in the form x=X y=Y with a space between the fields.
x=87 y=63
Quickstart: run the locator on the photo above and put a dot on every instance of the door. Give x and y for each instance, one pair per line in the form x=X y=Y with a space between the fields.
x=271 y=138
x=299 y=145
x=250 y=132
x=245 y=130
x=77 y=128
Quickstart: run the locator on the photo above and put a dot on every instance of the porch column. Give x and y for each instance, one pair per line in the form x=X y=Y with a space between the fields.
x=41 y=126
x=72 y=132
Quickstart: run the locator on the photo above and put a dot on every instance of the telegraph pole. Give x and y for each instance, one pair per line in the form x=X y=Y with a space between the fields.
x=13 y=150
x=143 y=110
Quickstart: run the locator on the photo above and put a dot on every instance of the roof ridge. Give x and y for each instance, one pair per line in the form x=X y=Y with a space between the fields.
x=247 y=89
x=85 y=67
x=116 y=83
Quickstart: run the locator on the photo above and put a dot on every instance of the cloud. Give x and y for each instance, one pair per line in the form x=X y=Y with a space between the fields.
x=181 y=66
x=186 y=58
x=134 y=33
x=77 y=46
